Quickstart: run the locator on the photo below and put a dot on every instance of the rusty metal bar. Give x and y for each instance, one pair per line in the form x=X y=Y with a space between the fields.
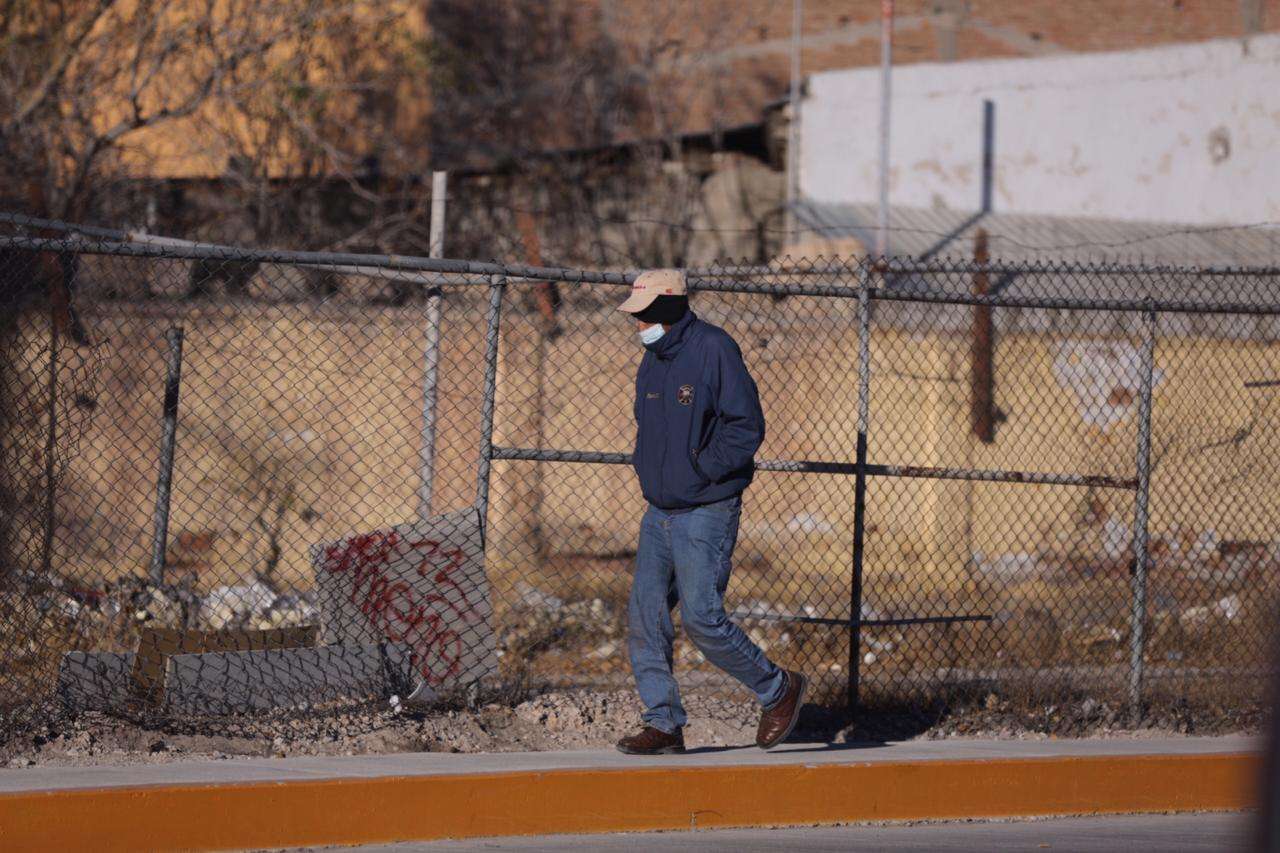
x=874 y=623
x=981 y=351
x=805 y=466
x=1100 y=481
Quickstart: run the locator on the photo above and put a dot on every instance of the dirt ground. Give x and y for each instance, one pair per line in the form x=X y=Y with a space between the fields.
x=588 y=719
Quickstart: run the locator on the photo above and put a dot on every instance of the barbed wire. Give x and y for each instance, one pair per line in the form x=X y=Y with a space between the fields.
x=975 y=221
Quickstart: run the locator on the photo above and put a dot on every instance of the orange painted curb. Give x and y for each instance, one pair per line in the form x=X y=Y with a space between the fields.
x=381 y=809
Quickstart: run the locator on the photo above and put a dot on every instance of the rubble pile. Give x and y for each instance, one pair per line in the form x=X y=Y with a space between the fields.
x=101 y=611
x=540 y=620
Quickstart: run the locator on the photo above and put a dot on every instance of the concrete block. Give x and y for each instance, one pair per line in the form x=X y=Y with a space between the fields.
x=231 y=682
x=95 y=681
x=157 y=645
x=424 y=584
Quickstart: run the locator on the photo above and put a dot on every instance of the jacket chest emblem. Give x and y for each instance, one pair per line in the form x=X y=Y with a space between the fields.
x=685 y=395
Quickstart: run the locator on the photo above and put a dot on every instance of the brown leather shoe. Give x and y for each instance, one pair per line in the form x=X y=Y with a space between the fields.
x=652 y=741
x=777 y=722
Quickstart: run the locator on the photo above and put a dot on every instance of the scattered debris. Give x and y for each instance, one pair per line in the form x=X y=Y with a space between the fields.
x=604 y=652
x=810 y=522
x=290 y=610
x=1228 y=608
x=226 y=606
x=1194 y=618
x=1106 y=377
x=1204 y=546
x=1117 y=537
x=1102 y=639
x=1197 y=619
x=60 y=603
x=159 y=607
x=1008 y=567
x=543 y=620
x=532 y=597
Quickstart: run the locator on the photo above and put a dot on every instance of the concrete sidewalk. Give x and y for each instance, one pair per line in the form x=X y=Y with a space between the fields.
x=313 y=768
x=348 y=800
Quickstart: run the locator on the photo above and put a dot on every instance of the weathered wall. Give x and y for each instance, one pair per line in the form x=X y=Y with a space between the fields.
x=1069 y=405
x=1183 y=133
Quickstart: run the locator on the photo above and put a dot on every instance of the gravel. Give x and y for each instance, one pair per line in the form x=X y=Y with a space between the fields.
x=585 y=719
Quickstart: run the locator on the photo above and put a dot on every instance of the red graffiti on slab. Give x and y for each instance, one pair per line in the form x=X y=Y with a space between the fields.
x=398 y=611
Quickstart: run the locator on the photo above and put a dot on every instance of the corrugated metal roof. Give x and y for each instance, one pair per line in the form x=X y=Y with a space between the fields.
x=940 y=235
x=926 y=234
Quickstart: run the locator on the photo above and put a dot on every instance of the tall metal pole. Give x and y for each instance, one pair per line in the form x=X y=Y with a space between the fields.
x=492 y=336
x=988 y=153
x=1137 y=631
x=860 y=482
x=439 y=195
x=431 y=358
x=168 y=439
x=793 y=123
x=886 y=63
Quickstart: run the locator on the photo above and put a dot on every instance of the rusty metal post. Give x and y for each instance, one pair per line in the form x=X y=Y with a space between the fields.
x=1137 y=633
x=492 y=337
x=168 y=440
x=860 y=484
x=981 y=372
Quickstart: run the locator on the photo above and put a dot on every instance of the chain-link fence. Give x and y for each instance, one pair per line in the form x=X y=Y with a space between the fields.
x=239 y=483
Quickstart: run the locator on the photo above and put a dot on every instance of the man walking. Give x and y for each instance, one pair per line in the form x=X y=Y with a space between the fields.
x=699 y=424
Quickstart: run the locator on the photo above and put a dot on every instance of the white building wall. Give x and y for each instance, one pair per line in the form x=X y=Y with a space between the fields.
x=1189 y=133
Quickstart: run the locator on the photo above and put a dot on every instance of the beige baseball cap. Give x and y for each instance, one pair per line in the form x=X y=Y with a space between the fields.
x=651 y=284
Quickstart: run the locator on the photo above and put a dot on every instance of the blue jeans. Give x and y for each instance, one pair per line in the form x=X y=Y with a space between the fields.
x=683 y=558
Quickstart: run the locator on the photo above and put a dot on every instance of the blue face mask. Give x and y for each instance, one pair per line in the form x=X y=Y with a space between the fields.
x=652 y=334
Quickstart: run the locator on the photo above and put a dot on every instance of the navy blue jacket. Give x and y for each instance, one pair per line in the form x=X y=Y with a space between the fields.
x=698 y=417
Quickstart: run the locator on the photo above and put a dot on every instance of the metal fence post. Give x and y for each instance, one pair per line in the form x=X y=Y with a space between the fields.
x=51 y=440
x=431 y=358
x=493 y=317
x=860 y=483
x=168 y=438
x=1137 y=638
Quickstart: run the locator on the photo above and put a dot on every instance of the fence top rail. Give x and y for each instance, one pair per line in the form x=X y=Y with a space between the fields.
x=821 y=265
x=111 y=241
x=786 y=265
x=727 y=279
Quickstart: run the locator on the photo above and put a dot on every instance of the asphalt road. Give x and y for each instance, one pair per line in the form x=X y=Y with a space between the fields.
x=1219 y=833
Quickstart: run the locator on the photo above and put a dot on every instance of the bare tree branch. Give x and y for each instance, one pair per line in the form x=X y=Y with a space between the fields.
x=64 y=55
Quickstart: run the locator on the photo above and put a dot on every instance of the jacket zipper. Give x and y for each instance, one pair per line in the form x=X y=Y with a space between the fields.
x=662 y=409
